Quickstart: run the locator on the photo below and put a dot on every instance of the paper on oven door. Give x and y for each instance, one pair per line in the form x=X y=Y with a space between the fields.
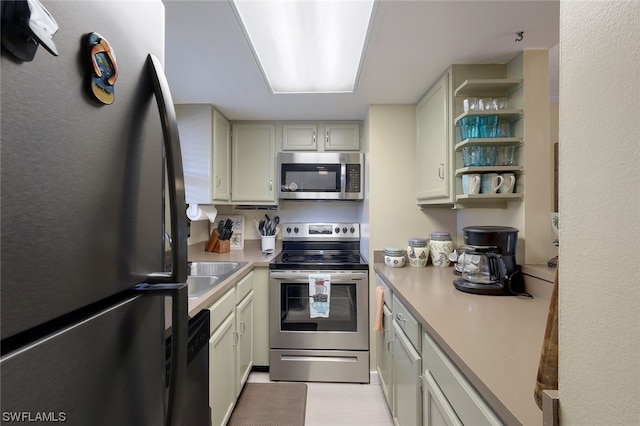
x=319 y=295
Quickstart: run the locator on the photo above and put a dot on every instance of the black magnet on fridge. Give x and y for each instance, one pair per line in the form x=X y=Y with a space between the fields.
x=26 y=24
x=102 y=69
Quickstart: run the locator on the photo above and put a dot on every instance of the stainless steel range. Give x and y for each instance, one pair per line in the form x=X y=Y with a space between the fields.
x=319 y=305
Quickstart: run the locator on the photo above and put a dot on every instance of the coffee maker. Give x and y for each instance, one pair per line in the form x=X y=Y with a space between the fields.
x=488 y=263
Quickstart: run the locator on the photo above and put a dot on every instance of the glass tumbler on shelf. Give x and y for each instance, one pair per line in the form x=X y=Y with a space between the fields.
x=488 y=126
x=506 y=155
x=504 y=129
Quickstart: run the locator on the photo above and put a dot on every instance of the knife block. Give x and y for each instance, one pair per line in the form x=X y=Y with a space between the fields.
x=223 y=246
x=214 y=238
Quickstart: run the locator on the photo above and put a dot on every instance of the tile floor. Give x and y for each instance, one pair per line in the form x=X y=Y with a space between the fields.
x=341 y=404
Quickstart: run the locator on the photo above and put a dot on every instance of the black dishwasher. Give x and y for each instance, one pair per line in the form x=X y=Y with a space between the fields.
x=194 y=406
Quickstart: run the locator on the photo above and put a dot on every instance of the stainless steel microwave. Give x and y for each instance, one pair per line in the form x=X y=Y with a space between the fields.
x=320 y=176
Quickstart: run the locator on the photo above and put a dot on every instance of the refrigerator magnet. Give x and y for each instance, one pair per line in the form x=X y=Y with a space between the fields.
x=102 y=69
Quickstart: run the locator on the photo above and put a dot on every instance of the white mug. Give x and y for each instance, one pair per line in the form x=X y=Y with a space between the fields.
x=471 y=183
x=490 y=183
x=509 y=183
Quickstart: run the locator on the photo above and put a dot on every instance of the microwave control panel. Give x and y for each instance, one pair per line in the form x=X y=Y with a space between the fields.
x=353 y=178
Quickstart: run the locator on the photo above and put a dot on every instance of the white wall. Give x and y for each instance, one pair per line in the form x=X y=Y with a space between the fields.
x=599 y=283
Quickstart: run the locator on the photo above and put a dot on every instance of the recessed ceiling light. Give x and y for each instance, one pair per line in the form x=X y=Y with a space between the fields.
x=307 y=46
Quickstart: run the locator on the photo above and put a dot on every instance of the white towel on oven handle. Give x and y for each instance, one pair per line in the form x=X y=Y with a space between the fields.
x=319 y=295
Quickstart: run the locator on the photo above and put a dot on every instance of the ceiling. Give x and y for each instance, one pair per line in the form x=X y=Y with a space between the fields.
x=208 y=59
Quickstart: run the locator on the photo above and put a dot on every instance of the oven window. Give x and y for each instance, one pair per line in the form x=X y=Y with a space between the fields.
x=295 y=316
x=310 y=177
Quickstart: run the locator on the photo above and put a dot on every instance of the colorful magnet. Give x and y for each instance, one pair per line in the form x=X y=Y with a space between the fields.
x=102 y=68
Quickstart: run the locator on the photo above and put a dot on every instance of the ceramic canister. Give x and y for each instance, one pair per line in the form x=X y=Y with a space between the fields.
x=418 y=251
x=440 y=246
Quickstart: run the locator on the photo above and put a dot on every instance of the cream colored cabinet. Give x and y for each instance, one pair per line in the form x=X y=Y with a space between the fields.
x=407 y=366
x=230 y=348
x=244 y=329
x=341 y=136
x=437 y=410
x=206 y=153
x=384 y=346
x=261 y=316
x=449 y=397
x=433 y=148
x=300 y=137
x=253 y=163
x=222 y=359
x=321 y=136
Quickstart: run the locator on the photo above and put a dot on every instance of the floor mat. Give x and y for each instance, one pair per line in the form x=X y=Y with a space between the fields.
x=270 y=404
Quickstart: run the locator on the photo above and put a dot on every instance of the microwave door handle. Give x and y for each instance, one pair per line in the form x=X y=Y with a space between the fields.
x=343 y=176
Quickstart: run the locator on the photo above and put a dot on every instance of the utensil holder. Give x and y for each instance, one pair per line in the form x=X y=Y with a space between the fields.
x=268 y=242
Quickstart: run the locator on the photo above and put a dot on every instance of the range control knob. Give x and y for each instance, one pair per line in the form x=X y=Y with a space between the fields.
x=296 y=230
x=344 y=230
x=352 y=230
x=337 y=230
x=288 y=229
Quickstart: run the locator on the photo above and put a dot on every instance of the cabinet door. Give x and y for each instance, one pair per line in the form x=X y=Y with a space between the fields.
x=222 y=378
x=433 y=170
x=261 y=316
x=342 y=136
x=384 y=341
x=253 y=164
x=244 y=350
x=437 y=410
x=194 y=127
x=407 y=399
x=299 y=137
x=221 y=175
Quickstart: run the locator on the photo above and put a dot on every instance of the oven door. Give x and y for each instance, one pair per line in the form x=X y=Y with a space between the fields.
x=291 y=325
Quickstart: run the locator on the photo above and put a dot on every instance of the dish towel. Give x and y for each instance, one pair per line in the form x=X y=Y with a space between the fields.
x=378 y=326
x=319 y=295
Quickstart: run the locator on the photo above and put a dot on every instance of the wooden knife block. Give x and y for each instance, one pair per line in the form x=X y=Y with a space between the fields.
x=216 y=245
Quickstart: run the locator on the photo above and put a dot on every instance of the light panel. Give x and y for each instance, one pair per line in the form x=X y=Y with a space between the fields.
x=307 y=46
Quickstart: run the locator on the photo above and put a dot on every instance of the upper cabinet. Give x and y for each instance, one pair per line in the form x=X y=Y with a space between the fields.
x=322 y=136
x=470 y=122
x=433 y=180
x=206 y=156
x=253 y=163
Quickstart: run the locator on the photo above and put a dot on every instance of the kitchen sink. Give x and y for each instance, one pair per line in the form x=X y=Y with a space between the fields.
x=197 y=286
x=204 y=276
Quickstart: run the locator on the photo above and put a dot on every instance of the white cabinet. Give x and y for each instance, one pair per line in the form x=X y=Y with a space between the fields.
x=341 y=136
x=437 y=410
x=451 y=399
x=384 y=345
x=407 y=366
x=222 y=359
x=433 y=152
x=206 y=156
x=253 y=163
x=321 y=136
x=230 y=348
x=261 y=316
x=299 y=137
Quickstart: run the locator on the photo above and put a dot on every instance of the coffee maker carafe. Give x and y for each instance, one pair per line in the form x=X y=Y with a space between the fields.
x=488 y=263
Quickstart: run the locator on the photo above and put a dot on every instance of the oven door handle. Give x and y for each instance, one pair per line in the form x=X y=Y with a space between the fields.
x=304 y=278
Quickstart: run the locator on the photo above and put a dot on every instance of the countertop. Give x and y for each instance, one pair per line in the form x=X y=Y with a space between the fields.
x=494 y=340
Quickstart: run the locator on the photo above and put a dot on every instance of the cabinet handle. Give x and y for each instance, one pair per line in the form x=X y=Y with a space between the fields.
x=271 y=185
x=400 y=318
x=243 y=328
x=327 y=137
x=441 y=171
x=236 y=338
x=314 y=137
x=217 y=180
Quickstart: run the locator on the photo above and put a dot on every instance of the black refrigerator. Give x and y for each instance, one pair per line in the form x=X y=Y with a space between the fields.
x=90 y=158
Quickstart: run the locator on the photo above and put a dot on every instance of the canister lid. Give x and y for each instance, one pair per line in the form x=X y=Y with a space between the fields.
x=441 y=236
x=418 y=242
x=393 y=251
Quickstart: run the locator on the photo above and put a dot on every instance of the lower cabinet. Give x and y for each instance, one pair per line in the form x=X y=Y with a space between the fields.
x=407 y=365
x=230 y=348
x=449 y=398
x=436 y=409
x=384 y=345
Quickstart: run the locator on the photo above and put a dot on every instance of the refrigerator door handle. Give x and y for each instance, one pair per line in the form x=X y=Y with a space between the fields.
x=179 y=336
x=178 y=206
